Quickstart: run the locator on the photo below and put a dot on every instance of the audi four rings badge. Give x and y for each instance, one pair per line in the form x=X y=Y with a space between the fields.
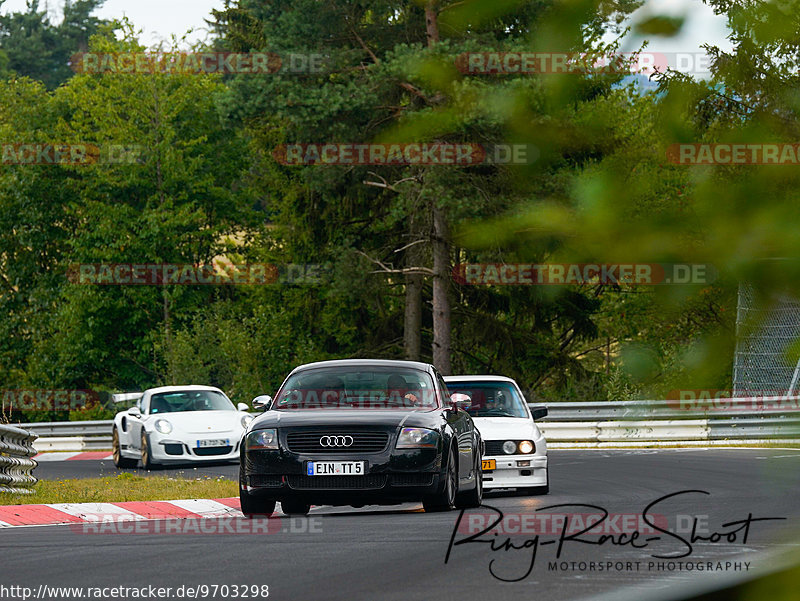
x=336 y=441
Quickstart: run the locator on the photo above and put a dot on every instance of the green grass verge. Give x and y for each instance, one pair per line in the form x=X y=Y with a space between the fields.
x=124 y=487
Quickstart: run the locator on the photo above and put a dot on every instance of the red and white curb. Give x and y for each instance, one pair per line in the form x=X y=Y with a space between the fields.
x=75 y=513
x=74 y=456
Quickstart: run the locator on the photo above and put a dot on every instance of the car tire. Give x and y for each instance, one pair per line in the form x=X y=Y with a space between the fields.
x=255 y=507
x=116 y=452
x=445 y=501
x=539 y=490
x=147 y=459
x=474 y=497
x=291 y=507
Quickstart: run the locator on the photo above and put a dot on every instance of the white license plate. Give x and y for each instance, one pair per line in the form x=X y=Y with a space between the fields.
x=220 y=442
x=336 y=468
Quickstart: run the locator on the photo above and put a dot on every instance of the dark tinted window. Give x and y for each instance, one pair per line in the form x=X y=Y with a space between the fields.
x=357 y=388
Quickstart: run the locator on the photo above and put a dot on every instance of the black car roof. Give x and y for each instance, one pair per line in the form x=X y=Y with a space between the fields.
x=426 y=367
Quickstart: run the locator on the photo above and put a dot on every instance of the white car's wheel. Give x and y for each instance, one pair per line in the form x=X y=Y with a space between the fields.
x=147 y=459
x=116 y=452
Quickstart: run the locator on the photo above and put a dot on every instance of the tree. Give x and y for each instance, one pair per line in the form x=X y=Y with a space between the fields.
x=173 y=203
x=32 y=46
x=34 y=227
x=390 y=78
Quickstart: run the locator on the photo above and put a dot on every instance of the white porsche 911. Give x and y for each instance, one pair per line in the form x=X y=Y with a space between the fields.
x=516 y=452
x=178 y=424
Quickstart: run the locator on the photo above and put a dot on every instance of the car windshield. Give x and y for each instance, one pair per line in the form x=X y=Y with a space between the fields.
x=491 y=399
x=189 y=400
x=358 y=388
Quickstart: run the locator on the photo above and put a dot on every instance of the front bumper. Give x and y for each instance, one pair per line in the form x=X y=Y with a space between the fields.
x=391 y=477
x=166 y=448
x=509 y=474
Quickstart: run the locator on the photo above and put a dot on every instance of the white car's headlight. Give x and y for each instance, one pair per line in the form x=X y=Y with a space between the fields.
x=163 y=426
x=262 y=439
x=246 y=419
x=509 y=447
x=526 y=447
x=416 y=438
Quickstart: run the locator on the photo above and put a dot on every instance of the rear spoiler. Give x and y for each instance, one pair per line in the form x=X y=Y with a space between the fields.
x=126 y=397
x=537 y=411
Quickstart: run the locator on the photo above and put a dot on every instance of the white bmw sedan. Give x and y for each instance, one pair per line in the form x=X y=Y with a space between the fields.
x=179 y=424
x=516 y=452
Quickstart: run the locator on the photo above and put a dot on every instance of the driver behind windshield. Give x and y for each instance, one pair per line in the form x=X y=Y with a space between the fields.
x=396 y=386
x=490 y=401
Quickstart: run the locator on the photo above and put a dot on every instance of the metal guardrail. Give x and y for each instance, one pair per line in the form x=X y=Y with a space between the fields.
x=672 y=409
x=714 y=422
x=72 y=436
x=594 y=424
x=16 y=463
x=50 y=429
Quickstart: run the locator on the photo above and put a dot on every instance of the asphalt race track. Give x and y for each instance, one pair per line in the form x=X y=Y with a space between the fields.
x=398 y=552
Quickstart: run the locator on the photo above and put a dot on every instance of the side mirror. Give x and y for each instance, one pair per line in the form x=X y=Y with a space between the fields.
x=262 y=402
x=459 y=400
x=538 y=411
x=243 y=407
x=134 y=412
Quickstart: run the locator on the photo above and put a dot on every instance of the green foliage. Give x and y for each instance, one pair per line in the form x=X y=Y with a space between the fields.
x=206 y=185
x=245 y=348
x=660 y=25
x=32 y=46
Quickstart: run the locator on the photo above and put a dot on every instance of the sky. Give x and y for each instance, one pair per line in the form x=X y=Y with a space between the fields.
x=161 y=18
x=158 y=18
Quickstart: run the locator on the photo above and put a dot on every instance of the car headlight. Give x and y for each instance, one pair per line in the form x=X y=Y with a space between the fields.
x=417 y=438
x=246 y=419
x=509 y=447
x=262 y=439
x=526 y=447
x=163 y=426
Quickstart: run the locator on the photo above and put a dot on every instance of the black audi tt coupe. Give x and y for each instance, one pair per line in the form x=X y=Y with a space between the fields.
x=360 y=432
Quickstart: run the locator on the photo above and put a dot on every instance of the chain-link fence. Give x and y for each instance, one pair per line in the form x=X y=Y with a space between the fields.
x=765 y=330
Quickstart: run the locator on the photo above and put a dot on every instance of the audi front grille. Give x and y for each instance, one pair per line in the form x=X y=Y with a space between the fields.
x=411 y=479
x=257 y=480
x=339 y=441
